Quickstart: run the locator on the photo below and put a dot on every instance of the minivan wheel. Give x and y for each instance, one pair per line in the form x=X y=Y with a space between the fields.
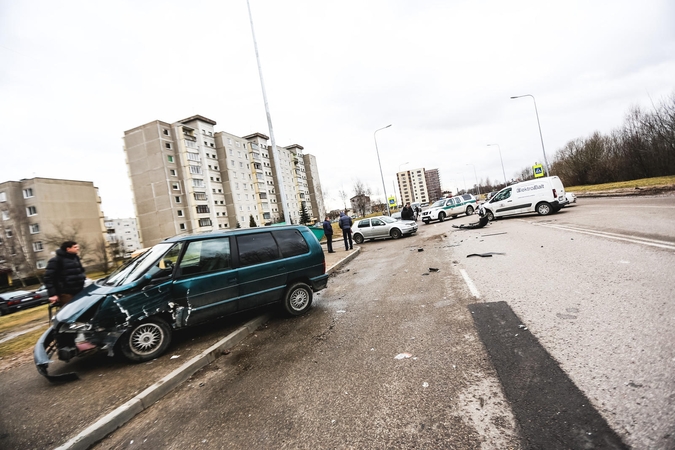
x=146 y=340
x=395 y=233
x=358 y=239
x=490 y=215
x=298 y=299
x=544 y=209
x=469 y=210
x=441 y=217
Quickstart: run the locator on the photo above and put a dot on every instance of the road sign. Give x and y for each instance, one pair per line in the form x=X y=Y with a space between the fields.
x=538 y=170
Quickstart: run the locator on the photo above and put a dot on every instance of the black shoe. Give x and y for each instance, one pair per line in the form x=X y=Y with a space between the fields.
x=331 y=251
x=351 y=248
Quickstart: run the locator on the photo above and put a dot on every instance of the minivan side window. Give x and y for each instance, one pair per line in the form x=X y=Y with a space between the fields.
x=257 y=248
x=291 y=243
x=206 y=256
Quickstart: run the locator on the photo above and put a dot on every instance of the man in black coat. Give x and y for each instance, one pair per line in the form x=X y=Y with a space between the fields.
x=407 y=212
x=64 y=276
x=328 y=231
x=345 y=224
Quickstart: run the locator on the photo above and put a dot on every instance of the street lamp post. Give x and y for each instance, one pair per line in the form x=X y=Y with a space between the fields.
x=386 y=200
x=502 y=160
x=474 y=174
x=539 y=125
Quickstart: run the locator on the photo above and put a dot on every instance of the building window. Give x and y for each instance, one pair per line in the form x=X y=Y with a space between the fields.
x=3 y=197
x=8 y=232
x=5 y=215
x=31 y=211
x=41 y=264
x=177 y=199
x=204 y=222
x=175 y=187
x=172 y=172
x=196 y=182
x=28 y=193
x=169 y=158
x=196 y=169
x=166 y=132
x=200 y=196
x=167 y=145
x=202 y=209
x=193 y=157
x=37 y=246
x=180 y=213
x=34 y=228
x=181 y=226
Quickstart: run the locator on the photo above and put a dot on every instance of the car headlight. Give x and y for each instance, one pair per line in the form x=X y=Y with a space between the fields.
x=78 y=326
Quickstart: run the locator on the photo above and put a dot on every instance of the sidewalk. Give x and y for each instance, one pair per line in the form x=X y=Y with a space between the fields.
x=129 y=409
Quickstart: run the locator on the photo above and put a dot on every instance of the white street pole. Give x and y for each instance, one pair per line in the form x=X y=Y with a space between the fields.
x=386 y=200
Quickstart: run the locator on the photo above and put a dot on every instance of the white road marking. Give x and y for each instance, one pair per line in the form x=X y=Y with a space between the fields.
x=469 y=283
x=620 y=237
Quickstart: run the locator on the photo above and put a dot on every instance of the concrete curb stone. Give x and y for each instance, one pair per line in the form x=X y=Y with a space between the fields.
x=127 y=411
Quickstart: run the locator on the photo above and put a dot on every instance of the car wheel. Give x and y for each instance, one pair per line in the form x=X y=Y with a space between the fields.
x=469 y=210
x=544 y=209
x=426 y=221
x=490 y=215
x=298 y=299
x=146 y=340
x=3 y=311
x=395 y=233
x=358 y=239
x=441 y=217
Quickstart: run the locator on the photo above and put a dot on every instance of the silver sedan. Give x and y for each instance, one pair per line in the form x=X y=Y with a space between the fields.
x=382 y=227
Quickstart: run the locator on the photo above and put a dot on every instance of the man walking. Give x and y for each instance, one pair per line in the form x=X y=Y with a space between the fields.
x=64 y=276
x=328 y=231
x=345 y=224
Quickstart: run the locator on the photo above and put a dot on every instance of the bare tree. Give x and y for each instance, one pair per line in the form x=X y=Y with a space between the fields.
x=15 y=243
x=361 y=197
x=69 y=232
x=343 y=195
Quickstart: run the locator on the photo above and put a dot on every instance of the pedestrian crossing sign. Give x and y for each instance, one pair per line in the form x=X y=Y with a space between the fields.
x=538 y=170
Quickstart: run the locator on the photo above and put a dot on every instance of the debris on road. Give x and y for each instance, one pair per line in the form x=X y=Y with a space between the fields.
x=402 y=356
x=485 y=255
x=433 y=269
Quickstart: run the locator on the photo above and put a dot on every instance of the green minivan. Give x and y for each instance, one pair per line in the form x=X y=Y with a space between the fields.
x=185 y=281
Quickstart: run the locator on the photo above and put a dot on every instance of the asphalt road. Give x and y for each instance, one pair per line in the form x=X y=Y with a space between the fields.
x=591 y=284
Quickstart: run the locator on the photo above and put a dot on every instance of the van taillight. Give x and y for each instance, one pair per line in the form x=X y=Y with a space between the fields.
x=555 y=194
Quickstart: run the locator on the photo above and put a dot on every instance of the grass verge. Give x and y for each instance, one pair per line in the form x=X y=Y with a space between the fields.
x=21 y=343
x=642 y=183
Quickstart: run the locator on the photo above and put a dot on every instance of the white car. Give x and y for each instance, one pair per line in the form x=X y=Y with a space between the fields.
x=571 y=198
x=446 y=207
x=382 y=227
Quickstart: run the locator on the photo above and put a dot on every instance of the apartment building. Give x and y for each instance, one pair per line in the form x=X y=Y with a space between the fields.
x=412 y=186
x=38 y=212
x=123 y=236
x=187 y=178
x=314 y=187
x=433 y=180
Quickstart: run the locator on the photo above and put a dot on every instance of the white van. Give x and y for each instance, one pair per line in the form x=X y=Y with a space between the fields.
x=543 y=196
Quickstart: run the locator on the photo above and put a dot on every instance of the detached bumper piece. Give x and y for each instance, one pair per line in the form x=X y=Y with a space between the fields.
x=45 y=346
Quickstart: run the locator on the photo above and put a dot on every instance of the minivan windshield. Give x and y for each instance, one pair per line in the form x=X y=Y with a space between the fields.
x=138 y=266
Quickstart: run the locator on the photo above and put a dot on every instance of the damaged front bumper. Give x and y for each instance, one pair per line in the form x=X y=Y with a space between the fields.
x=67 y=348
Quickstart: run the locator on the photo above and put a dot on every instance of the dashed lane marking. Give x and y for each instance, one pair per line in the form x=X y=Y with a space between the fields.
x=620 y=237
x=469 y=283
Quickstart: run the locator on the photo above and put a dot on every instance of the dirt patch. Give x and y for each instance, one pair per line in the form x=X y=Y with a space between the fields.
x=19 y=359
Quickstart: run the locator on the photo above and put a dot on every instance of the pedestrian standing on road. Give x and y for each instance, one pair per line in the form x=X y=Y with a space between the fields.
x=64 y=275
x=328 y=231
x=345 y=224
x=407 y=212
x=418 y=210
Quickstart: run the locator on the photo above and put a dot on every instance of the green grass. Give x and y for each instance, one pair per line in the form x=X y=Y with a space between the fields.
x=21 y=343
x=22 y=318
x=642 y=183
x=28 y=318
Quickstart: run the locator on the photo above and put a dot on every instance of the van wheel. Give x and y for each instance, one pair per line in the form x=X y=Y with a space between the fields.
x=469 y=210
x=544 y=209
x=358 y=239
x=490 y=215
x=395 y=233
x=441 y=217
x=298 y=299
x=146 y=340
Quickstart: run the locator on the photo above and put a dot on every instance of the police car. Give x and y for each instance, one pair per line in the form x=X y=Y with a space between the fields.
x=450 y=207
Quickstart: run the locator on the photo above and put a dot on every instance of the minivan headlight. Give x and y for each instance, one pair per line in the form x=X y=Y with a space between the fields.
x=79 y=326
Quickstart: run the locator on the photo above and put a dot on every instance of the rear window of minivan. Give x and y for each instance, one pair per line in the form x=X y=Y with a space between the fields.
x=291 y=243
x=257 y=248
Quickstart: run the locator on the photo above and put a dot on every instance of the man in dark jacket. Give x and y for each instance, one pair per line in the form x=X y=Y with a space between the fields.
x=407 y=212
x=328 y=231
x=64 y=276
x=345 y=224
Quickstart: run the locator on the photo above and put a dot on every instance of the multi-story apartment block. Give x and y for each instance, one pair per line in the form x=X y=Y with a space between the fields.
x=123 y=236
x=37 y=212
x=412 y=186
x=314 y=186
x=188 y=178
x=433 y=184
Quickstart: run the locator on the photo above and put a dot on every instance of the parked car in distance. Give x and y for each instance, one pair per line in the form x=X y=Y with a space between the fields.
x=571 y=198
x=10 y=300
x=382 y=227
x=450 y=207
x=185 y=281
x=542 y=195
x=396 y=215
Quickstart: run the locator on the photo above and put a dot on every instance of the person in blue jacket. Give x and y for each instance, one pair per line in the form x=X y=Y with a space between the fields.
x=345 y=224
x=328 y=231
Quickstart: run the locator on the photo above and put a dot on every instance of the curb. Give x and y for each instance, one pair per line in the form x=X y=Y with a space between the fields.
x=122 y=414
x=127 y=411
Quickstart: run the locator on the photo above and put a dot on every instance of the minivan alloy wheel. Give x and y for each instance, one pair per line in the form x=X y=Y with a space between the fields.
x=298 y=299
x=146 y=340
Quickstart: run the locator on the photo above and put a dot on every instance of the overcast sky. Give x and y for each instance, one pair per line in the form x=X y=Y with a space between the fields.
x=76 y=74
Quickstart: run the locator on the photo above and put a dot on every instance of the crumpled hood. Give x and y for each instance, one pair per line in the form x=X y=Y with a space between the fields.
x=90 y=296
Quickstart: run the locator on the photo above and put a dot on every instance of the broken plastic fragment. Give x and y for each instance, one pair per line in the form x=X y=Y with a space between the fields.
x=402 y=356
x=175 y=356
x=425 y=384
